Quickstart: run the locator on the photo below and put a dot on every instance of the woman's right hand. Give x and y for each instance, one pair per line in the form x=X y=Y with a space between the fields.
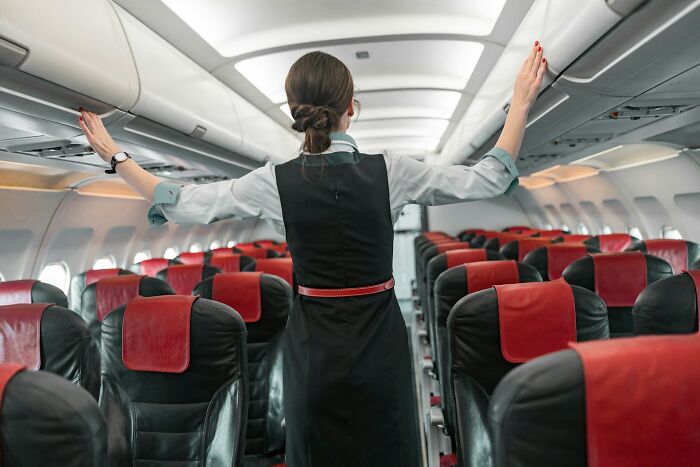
x=97 y=135
x=529 y=80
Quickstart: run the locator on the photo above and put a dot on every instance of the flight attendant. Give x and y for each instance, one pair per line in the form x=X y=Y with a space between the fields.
x=347 y=369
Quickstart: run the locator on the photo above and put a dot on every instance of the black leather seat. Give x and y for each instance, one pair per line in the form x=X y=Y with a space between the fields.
x=518 y=249
x=497 y=241
x=48 y=337
x=618 y=278
x=79 y=282
x=264 y=302
x=47 y=421
x=152 y=266
x=575 y=408
x=231 y=262
x=613 y=243
x=183 y=277
x=112 y=292
x=450 y=287
x=483 y=346
x=427 y=253
x=31 y=291
x=174 y=382
x=680 y=254
x=469 y=234
x=551 y=260
x=481 y=237
x=422 y=243
x=669 y=306
x=250 y=249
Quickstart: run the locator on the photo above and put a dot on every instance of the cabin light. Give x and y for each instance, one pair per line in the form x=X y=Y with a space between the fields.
x=566 y=173
x=398 y=128
x=627 y=156
x=397 y=144
x=533 y=183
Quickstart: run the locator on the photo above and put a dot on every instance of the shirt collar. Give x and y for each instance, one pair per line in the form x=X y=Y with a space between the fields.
x=340 y=142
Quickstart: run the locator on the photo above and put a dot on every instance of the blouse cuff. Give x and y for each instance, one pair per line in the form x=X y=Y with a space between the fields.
x=164 y=193
x=507 y=160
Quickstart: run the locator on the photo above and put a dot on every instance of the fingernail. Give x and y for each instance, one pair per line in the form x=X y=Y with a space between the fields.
x=81 y=118
x=540 y=49
x=537 y=43
x=544 y=60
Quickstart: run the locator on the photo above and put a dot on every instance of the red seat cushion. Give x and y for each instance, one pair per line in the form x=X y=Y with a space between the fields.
x=226 y=262
x=673 y=251
x=240 y=291
x=183 y=277
x=150 y=267
x=620 y=277
x=612 y=243
x=457 y=257
x=526 y=245
x=484 y=274
x=93 y=275
x=447 y=246
x=113 y=292
x=559 y=256
x=13 y=292
x=280 y=267
x=191 y=258
x=20 y=328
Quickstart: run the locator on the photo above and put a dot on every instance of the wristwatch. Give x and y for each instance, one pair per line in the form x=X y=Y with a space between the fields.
x=116 y=159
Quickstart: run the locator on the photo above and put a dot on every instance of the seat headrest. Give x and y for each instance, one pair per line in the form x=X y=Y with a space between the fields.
x=93 y=275
x=240 y=291
x=560 y=256
x=535 y=318
x=574 y=238
x=659 y=378
x=156 y=333
x=265 y=243
x=434 y=235
x=500 y=239
x=518 y=249
x=553 y=233
x=152 y=266
x=221 y=251
x=613 y=243
x=669 y=306
x=468 y=255
x=191 y=257
x=619 y=277
x=31 y=291
x=228 y=262
x=516 y=227
x=251 y=250
x=484 y=274
x=280 y=267
x=183 y=277
x=112 y=292
x=20 y=328
x=673 y=251
x=451 y=245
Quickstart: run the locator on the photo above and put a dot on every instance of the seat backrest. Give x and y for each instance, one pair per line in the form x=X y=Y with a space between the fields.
x=80 y=281
x=48 y=337
x=493 y=331
x=575 y=408
x=231 y=262
x=496 y=241
x=516 y=228
x=254 y=251
x=669 y=306
x=174 y=382
x=553 y=233
x=112 y=292
x=451 y=286
x=280 y=267
x=469 y=234
x=183 y=277
x=264 y=302
x=613 y=243
x=48 y=421
x=264 y=243
x=680 y=254
x=618 y=278
x=551 y=260
x=198 y=257
x=152 y=266
x=518 y=249
x=31 y=291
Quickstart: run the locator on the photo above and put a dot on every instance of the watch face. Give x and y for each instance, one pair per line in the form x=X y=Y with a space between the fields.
x=120 y=157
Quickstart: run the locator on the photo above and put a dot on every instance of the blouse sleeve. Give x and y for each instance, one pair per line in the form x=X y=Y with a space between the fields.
x=253 y=195
x=412 y=181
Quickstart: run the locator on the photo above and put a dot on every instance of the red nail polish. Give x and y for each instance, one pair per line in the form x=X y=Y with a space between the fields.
x=537 y=43
x=543 y=60
x=540 y=49
x=81 y=118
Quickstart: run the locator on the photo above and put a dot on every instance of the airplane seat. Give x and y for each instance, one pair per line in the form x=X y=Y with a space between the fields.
x=480 y=239
x=80 y=281
x=183 y=277
x=152 y=266
x=255 y=251
x=280 y=267
x=618 y=279
x=669 y=306
x=31 y=291
x=281 y=248
x=551 y=260
x=198 y=257
x=613 y=243
x=516 y=228
x=264 y=302
x=469 y=234
x=573 y=238
x=46 y=420
x=497 y=241
x=174 y=382
x=681 y=254
x=493 y=331
x=568 y=409
x=231 y=262
x=265 y=243
x=450 y=287
x=518 y=249
x=42 y=336
x=110 y=293
x=553 y=233
x=428 y=253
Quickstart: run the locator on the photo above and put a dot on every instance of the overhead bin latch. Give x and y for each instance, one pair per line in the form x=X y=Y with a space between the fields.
x=198 y=132
x=11 y=54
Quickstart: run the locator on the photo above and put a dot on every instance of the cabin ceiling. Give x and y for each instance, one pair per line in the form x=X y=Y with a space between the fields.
x=417 y=65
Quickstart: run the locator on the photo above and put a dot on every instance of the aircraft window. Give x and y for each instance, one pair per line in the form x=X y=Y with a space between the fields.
x=196 y=248
x=171 y=252
x=670 y=232
x=214 y=245
x=106 y=262
x=565 y=227
x=548 y=227
x=2 y=278
x=583 y=229
x=141 y=255
x=607 y=230
x=56 y=274
x=635 y=232
x=231 y=244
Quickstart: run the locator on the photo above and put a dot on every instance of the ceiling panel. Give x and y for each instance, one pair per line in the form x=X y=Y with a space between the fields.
x=233 y=29
x=433 y=64
x=406 y=143
x=398 y=128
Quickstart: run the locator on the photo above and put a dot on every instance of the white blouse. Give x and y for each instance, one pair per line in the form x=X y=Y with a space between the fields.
x=410 y=182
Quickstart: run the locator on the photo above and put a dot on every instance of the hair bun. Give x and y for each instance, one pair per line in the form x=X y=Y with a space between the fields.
x=319 y=117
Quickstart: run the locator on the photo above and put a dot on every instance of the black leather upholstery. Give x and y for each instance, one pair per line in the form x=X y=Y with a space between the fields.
x=668 y=306
x=47 y=421
x=692 y=248
x=594 y=242
x=194 y=418
x=41 y=292
x=265 y=435
x=477 y=364
x=450 y=287
x=78 y=285
x=582 y=273
x=537 y=258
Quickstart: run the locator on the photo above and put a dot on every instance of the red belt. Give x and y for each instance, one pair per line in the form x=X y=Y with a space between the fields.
x=349 y=292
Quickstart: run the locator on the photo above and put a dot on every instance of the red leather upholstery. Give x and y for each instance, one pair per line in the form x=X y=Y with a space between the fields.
x=253 y=251
x=526 y=245
x=226 y=262
x=612 y=243
x=20 y=328
x=156 y=334
x=446 y=246
x=183 y=277
x=559 y=256
x=150 y=267
x=192 y=258
x=265 y=243
x=485 y=274
x=13 y=292
x=240 y=291
x=113 y=292
x=673 y=251
x=620 y=277
x=650 y=384
x=7 y=372
x=516 y=227
x=434 y=235
x=575 y=238
x=535 y=318
x=552 y=233
x=281 y=248
x=280 y=267
x=221 y=251
x=469 y=255
x=695 y=275
x=93 y=275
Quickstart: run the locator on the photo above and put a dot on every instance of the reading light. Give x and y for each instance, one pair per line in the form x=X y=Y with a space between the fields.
x=533 y=183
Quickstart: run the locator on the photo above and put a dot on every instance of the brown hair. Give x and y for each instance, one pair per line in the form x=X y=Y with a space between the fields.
x=319 y=90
